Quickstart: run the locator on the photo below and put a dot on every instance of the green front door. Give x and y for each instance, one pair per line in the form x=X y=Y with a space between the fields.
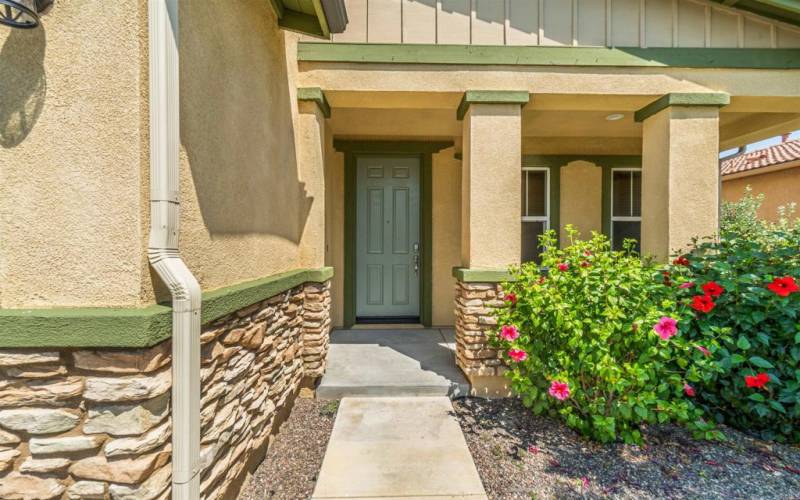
x=387 y=238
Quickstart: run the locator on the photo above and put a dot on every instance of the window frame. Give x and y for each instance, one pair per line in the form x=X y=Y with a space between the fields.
x=538 y=218
x=620 y=218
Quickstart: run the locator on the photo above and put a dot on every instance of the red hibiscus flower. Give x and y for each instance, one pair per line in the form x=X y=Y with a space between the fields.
x=702 y=349
x=783 y=286
x=713 y=288
x=511 y=297
x=688 y=389
x=756 y=381
x=681 y=261
x=585 y=263
x=702 y=303
x=563 y=266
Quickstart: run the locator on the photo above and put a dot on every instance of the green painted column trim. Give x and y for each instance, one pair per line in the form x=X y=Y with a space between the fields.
x=424 y=149
x=715 y=99
x=316 y=95
x=605 y=199
x=521 y=97
x=110 y=327
x=466 y=275
x=509 y=55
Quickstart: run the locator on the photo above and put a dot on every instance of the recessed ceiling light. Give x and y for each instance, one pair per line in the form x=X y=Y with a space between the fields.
x=614 y=117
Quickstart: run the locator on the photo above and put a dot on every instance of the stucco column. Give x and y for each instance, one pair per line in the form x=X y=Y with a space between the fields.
x=490 y=228
x=680 y=171
x=490 y=181
x=310 y=143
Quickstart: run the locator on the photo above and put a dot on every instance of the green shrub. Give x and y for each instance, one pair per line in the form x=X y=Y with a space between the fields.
x=752 y=330
x=591 y=354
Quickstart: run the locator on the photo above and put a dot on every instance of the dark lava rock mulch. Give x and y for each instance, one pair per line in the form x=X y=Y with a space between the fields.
x=289 y=471
x=520 y=455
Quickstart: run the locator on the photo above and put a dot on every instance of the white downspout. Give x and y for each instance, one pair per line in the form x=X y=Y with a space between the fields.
x=163 y=248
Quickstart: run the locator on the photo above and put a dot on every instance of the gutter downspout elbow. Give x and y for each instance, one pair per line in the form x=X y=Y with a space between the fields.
x=163 y=247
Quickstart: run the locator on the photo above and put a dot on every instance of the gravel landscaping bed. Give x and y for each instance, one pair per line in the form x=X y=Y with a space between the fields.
x=289 y=471
x=520 y=455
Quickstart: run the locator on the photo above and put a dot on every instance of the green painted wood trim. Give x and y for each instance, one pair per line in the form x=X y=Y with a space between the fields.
x=466 y=275
x=109 y=327
x=715 y=99
x=277 y=7
x=350 y=211
x=301 y=23
x=390 y=147
x=316 y=95
x=470 y=97
x=605 y=199
x=425 y=150
x=787 y=11
x=548 y=56
x=426 y=229
x=323 y=22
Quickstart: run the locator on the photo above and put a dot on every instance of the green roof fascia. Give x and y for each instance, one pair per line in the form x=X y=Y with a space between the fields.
x=716 y=99
x=787 y=11
x=548 y=56
x=121 y=327
x=315 y=94
x=302 y=16
x=475 y=275
x=521 y=97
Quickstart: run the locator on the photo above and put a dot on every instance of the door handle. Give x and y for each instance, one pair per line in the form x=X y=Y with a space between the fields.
x=416 y=257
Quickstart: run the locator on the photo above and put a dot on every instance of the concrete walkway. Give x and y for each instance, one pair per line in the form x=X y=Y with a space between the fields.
x=392 y=362
x=397 y=447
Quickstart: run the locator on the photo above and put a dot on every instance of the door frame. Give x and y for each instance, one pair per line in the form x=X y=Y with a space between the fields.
x=352 y=149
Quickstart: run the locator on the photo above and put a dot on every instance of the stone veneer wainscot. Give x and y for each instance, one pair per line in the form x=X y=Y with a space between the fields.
x=80 y=423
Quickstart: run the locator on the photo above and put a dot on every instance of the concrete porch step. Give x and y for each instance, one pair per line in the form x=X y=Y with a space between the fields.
x=392 y=362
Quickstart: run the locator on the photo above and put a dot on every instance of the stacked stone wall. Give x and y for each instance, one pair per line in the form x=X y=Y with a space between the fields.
x=96 y=423
x=474 y=304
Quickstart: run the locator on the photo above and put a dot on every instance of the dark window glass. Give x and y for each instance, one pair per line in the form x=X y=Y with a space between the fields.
x=537 y=193
x=637 y=194
x=626 y=230
x=530 y=240
x=622 y=194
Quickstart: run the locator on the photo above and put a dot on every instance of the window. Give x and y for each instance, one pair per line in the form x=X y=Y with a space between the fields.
x=535 y=210
x=626 y=206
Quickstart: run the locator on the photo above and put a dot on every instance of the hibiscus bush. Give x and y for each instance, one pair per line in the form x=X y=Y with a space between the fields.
x=744 y=297
x=597 y=341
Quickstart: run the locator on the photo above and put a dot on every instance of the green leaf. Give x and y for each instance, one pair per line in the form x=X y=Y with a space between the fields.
x=761 y=362
x=641 y=411
x=743 y=343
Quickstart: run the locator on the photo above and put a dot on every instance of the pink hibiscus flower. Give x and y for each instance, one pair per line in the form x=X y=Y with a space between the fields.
x=517 y=355
x=688 y=389
x=563 y=266
x=688 y=284
x=509 y=333
x=666 y=327
x=559 y=390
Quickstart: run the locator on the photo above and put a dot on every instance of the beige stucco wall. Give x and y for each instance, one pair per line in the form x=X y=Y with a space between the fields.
x=779 y=187
x=72 y=152
x=446 y=234
x=680 y=178
x=245 y=206
x=490 y=192
x=581 y=198
x=334 y=228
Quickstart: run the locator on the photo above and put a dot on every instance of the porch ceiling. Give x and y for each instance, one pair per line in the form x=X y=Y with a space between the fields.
x=550 y=123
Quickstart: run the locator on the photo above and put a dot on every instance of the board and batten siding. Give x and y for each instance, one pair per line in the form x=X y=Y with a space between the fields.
x=586 y=23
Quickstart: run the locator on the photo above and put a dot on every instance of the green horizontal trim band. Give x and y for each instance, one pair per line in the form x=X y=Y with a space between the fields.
x=136 y=327
x=466 y=275
x=316 y=95
x=387 y=147
x=520 y=97
x=717 y=99
x=548 y=56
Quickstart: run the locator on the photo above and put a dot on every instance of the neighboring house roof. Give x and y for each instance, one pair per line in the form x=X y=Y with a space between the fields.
x=784 y=152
